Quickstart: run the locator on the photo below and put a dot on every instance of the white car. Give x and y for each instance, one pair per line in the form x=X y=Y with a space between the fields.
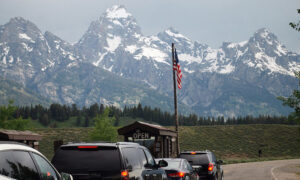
x=19 y=161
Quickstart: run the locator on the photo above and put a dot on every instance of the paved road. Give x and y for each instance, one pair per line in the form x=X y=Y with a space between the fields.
x=268 y=170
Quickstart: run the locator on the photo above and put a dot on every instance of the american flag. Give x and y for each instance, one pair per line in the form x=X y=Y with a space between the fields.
x=176 y=67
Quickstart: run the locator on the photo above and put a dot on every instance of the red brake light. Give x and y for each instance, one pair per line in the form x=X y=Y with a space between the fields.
x=87 y=147
x=124 y=175
x=210 y=166
x=178 y=174
x=181 y=174
x=193 y=152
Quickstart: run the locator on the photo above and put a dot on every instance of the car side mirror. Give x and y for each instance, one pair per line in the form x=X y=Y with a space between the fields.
x=66 y=176
x=220 y=162
x=162 y=163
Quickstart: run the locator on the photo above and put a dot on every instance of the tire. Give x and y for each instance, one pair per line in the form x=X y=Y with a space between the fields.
x=215 y=177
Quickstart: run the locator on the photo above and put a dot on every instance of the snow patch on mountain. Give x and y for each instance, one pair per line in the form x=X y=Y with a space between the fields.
x=131 y=49
x=211 y=54
x=189 y=58
x=152 y=53
x=101 y=57
x=116 y=22
x=26 y=37
x=176 y=35
x=281 y=50
x=26 y=47
x=73 y=64
x=188 y=71
x=268 y=62
x=235 y=45
x=6 y=50
x=227 y=69
x=4 y=60
x=109 y=68
x=240 y=53
x=293 y=67
x=150 y=85
x=11 y=59
x=113 y=43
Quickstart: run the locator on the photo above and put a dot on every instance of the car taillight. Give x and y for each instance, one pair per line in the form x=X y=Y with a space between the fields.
x=124 y=175
x=178 y=174
x=210 y=166
x=193 y=153
x=87 y=147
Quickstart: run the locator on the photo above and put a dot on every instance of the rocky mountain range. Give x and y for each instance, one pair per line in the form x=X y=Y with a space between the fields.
x=114 y=63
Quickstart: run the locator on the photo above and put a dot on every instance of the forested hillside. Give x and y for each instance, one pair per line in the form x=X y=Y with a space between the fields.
x=72 y=116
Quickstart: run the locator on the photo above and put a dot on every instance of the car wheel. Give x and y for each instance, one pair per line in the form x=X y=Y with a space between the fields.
x=186 y=178
x=215 y=177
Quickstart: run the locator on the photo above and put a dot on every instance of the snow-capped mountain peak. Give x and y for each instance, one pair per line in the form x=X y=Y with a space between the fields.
x=264 y=40
x=171 y=35
x=174 y=33
x=117 y=12
x=18 y=29
x=117 y=17
x=221 y=81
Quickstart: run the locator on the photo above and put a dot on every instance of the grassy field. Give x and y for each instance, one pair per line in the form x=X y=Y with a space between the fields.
x=239 y=143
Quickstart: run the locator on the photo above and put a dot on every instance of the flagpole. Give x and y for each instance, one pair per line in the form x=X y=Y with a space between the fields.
x=175 y=101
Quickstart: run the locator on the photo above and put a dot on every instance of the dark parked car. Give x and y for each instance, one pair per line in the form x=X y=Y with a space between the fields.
x=205 y=163
x=19 y=161
x=179 y=169
x=122 y=161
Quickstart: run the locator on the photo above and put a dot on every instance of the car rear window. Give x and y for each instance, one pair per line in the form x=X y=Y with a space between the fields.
x=74 y=159
x=195 y=159
x=172 y=164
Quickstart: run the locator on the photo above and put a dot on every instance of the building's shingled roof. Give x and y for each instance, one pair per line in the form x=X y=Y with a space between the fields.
x=152 y=128
x=19 y=135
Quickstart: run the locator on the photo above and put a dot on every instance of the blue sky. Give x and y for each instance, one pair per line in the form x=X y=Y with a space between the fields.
x=206 y=21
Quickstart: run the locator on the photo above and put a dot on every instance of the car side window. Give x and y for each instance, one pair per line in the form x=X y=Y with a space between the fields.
x=184 y=165
x=47 y=172
x=189 y=167
x=213 y=157
x=149 y=157
x=7 y=165
x=130 y=158
x=142 y=157
x=24 y=162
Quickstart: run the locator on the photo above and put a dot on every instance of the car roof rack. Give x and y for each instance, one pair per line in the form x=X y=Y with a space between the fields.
x=13 y=142
x=102 y=143
x=127 y=143
x=199 y=151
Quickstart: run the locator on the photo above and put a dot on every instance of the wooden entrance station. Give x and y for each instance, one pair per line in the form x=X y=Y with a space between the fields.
x=26 y=137
x=159 y=140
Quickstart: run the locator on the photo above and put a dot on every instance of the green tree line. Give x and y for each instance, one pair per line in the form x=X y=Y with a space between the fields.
x=85 y=116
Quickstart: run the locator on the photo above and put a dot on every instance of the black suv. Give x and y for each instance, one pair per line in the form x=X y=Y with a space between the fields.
x=205 y=163
x=122 y=161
